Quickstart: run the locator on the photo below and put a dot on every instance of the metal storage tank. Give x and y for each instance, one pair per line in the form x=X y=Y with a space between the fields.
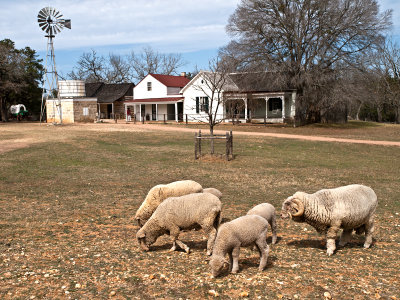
x=71 y=88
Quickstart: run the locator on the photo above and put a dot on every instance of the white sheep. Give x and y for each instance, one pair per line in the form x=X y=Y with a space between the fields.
x=349 y=208
x=243 y=231
x=267 y=211
x=213 y=191
x=159 y=193
x=178 y=213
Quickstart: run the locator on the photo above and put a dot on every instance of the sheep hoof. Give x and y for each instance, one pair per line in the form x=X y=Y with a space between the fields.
x=366 y=246
x=329 y=252
x=209 y=253
x=187 y=250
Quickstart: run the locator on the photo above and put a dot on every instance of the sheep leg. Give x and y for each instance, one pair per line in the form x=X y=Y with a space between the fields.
x=330 y=238
x=235 y=259
x=369 y=230
x=174 y=232
x=273 y=229
x=345 y=237
x=230 y=261
x=263 y=249
x=212 y=234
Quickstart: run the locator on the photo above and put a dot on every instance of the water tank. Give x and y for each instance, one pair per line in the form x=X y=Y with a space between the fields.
x=71 y=88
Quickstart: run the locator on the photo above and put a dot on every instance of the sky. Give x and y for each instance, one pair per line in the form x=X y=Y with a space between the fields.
x=195 y=29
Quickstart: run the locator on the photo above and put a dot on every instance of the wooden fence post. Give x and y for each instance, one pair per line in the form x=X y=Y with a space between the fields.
x=200 y=142
x=231 y=143
x=227 y=150
x=196 y=145
x=186 y=119
x=134 y=119
x=164 y=120
x=265 y=121
x=143 y=119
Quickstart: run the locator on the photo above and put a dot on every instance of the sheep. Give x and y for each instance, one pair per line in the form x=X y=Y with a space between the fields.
x=159 y=193
x=349 y=207
x=185 y=212
x=213 y=191
x=267 y=211
x=243 y=231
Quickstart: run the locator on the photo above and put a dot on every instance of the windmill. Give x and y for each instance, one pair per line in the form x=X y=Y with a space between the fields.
x=51 y=21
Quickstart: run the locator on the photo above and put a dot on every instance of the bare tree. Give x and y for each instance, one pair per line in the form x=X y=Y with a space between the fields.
x=304 y=41
x=118 y=70
x=150 y=61
x=389 y=69
x=212 y=83
x=90 y=68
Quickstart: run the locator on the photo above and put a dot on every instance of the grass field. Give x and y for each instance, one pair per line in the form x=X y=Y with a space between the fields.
x=68 y=196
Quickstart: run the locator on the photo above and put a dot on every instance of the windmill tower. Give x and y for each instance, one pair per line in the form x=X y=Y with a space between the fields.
x=51 y=22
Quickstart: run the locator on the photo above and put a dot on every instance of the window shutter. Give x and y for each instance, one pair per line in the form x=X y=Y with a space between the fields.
x=197 y=105
x=206 y=104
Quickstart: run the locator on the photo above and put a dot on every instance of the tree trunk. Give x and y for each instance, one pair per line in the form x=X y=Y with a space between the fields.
x=212 y=140
x=397 y=114
x=3 y=109
x=358 y=112
x=379 y=113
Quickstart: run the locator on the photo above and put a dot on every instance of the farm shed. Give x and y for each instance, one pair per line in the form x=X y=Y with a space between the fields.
x=74 y=105
x=110 y=97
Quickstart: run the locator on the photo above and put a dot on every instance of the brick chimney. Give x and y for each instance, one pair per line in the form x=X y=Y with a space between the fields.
x=183 y=74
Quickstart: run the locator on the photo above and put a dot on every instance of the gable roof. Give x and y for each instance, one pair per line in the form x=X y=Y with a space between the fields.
x=108 y=93
x=248 y=82
x=171 y=80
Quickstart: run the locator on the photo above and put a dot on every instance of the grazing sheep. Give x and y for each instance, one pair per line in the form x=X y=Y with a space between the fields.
x=267 y=211
x=243 y=231
x=213 y=191
x=161 y=192
x=185 y=212
x=349 y=207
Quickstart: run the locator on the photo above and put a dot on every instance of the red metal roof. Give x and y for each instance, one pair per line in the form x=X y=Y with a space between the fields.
x=171 y=81
x=168 y=99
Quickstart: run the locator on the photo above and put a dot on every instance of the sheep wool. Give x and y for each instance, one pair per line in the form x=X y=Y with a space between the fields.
x=267 y=211
x=243 y=231
x=159 y=193
x=350 y=207
x=185 y=212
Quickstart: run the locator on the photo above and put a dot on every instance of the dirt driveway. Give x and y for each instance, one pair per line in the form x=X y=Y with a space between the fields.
x=32 y=133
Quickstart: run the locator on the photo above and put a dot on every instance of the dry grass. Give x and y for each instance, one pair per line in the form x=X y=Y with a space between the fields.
x=67 y=201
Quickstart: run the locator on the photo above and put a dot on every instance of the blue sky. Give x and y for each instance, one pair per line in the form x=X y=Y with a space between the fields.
x=196 y=29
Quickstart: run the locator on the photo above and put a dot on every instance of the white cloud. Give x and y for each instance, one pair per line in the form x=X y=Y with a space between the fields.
x=189 y=24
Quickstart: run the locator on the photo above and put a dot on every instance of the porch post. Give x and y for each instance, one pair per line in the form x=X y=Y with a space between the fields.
x=283 y=107
x=176 y=111
x=140 y=111
x=245 y=109
x=112 y=110
x=266 y=107
x=156 y=112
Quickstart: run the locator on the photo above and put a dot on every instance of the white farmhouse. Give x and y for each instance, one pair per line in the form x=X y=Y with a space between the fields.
x=157 y=97
x=244 y=97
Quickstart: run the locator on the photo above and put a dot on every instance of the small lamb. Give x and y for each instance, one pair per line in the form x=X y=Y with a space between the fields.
x=267 y=211
x=243 y=231
x=177 y=213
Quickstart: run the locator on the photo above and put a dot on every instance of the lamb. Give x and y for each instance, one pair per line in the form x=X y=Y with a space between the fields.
x=267 y=211
x=213 y=191
x=243 y=231
x=159 y=193
x=185 y=212
x=349 y=207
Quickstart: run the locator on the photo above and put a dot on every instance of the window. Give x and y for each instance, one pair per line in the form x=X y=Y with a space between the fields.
x=149 y=86
x=86 y=111
x=201 y=104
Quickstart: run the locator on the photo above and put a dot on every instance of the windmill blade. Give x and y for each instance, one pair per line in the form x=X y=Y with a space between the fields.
x=58 y=15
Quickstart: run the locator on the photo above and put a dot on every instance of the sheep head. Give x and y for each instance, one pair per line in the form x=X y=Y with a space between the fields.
x=292 y=207
x=217 y=264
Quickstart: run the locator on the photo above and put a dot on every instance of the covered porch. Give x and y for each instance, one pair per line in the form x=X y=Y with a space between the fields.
x=156 y=109
x=268 y=107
